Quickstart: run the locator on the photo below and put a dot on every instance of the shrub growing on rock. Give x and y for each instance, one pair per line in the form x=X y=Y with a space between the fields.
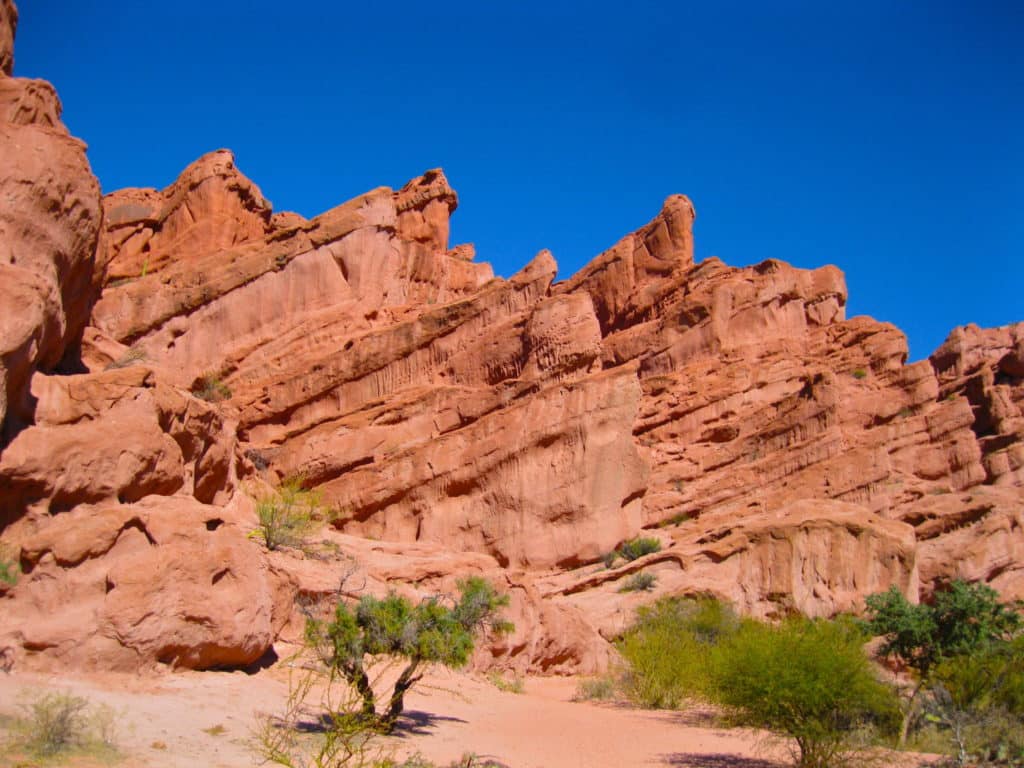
x=286 y=515
x=639 y=547
x=9 y=569
x=639 y=582
x=211 y=388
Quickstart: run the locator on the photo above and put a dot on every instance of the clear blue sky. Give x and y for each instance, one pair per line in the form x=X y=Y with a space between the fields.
x=884 y=136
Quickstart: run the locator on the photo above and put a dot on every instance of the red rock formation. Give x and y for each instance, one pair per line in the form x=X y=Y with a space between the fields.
x=49 y=225
x=123 y=585
x=453 y=423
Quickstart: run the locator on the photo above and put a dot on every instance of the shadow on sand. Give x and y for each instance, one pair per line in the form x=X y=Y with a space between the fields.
x=411 y=723
x=414 y=722
x=698 y=760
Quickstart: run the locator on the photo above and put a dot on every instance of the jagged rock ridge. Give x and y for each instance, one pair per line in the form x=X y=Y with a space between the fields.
x=454 y=422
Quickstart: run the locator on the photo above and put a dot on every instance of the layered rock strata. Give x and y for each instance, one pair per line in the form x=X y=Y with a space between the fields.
x=168 y=355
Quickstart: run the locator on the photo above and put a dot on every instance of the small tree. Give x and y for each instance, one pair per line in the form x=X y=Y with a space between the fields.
x=807 y=679
x=960 y=621
x=422 y=634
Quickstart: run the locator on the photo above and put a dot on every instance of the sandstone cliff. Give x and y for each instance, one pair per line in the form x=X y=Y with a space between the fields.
x=166 y=354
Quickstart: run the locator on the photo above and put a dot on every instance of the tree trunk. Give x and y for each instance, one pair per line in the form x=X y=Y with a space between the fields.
x=356 y=675
x=909 y=714
x=397 y=703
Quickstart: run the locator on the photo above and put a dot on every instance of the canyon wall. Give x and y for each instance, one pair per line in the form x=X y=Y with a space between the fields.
x=168 y=356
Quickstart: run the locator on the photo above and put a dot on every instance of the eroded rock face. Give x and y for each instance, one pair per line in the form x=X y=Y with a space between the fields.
x=453 y=423
x=125 y=585
x=8 y=24
x=49 y=225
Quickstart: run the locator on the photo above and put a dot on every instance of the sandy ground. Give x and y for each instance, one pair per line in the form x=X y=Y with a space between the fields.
x=165 y=721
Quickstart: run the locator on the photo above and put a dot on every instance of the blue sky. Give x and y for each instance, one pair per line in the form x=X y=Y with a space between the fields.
x=884 y=136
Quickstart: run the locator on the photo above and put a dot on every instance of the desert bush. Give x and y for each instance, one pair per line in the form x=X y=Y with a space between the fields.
x=667 y=650
x=418 y=635
x=859 y=373
x=515 y=684
x=9 y=568
x=595 y=689
x=639 y=547
x=131 y=356
x=977 y=701
x=54 y=723
x=809 y=680
x=211 y=388
x=639 y=582
x=287 y=515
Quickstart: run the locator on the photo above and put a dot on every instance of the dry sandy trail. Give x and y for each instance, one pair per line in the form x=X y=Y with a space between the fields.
x=540 y=728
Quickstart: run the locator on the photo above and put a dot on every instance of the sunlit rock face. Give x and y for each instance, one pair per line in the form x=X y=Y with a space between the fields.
x=169 y=355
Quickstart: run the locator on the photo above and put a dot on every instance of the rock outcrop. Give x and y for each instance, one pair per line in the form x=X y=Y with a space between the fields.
x=49 y=225
x=171 y=352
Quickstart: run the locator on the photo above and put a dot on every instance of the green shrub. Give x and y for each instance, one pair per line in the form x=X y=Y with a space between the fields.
x=859 y=373
x=609 y=559
x=9 y=568
x=678 y=518
x=595 y=689
x=56 y=721
x=668 y=649
x=211 y=388
x=639 y=582
x=287 y=515
x=809 y=680
x=514 y=684
x=977 y=701
x=54 y=724
x=639 y=547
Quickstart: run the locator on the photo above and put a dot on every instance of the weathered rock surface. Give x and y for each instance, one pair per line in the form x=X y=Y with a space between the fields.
x=8 y=24
x=453 y=423
x=125 y=585
x=49 y=224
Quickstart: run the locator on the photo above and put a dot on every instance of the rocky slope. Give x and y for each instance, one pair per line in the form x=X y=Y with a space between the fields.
x=168 y=354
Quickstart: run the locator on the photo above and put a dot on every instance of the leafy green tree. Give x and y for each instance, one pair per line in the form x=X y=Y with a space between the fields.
x=961 y=621
x=422 y=634
x=807 y=679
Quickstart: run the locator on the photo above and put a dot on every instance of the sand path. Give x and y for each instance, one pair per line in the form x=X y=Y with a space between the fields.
x=167 y=719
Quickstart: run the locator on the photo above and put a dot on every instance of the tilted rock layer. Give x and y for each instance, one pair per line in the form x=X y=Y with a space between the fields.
x=170 y=354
